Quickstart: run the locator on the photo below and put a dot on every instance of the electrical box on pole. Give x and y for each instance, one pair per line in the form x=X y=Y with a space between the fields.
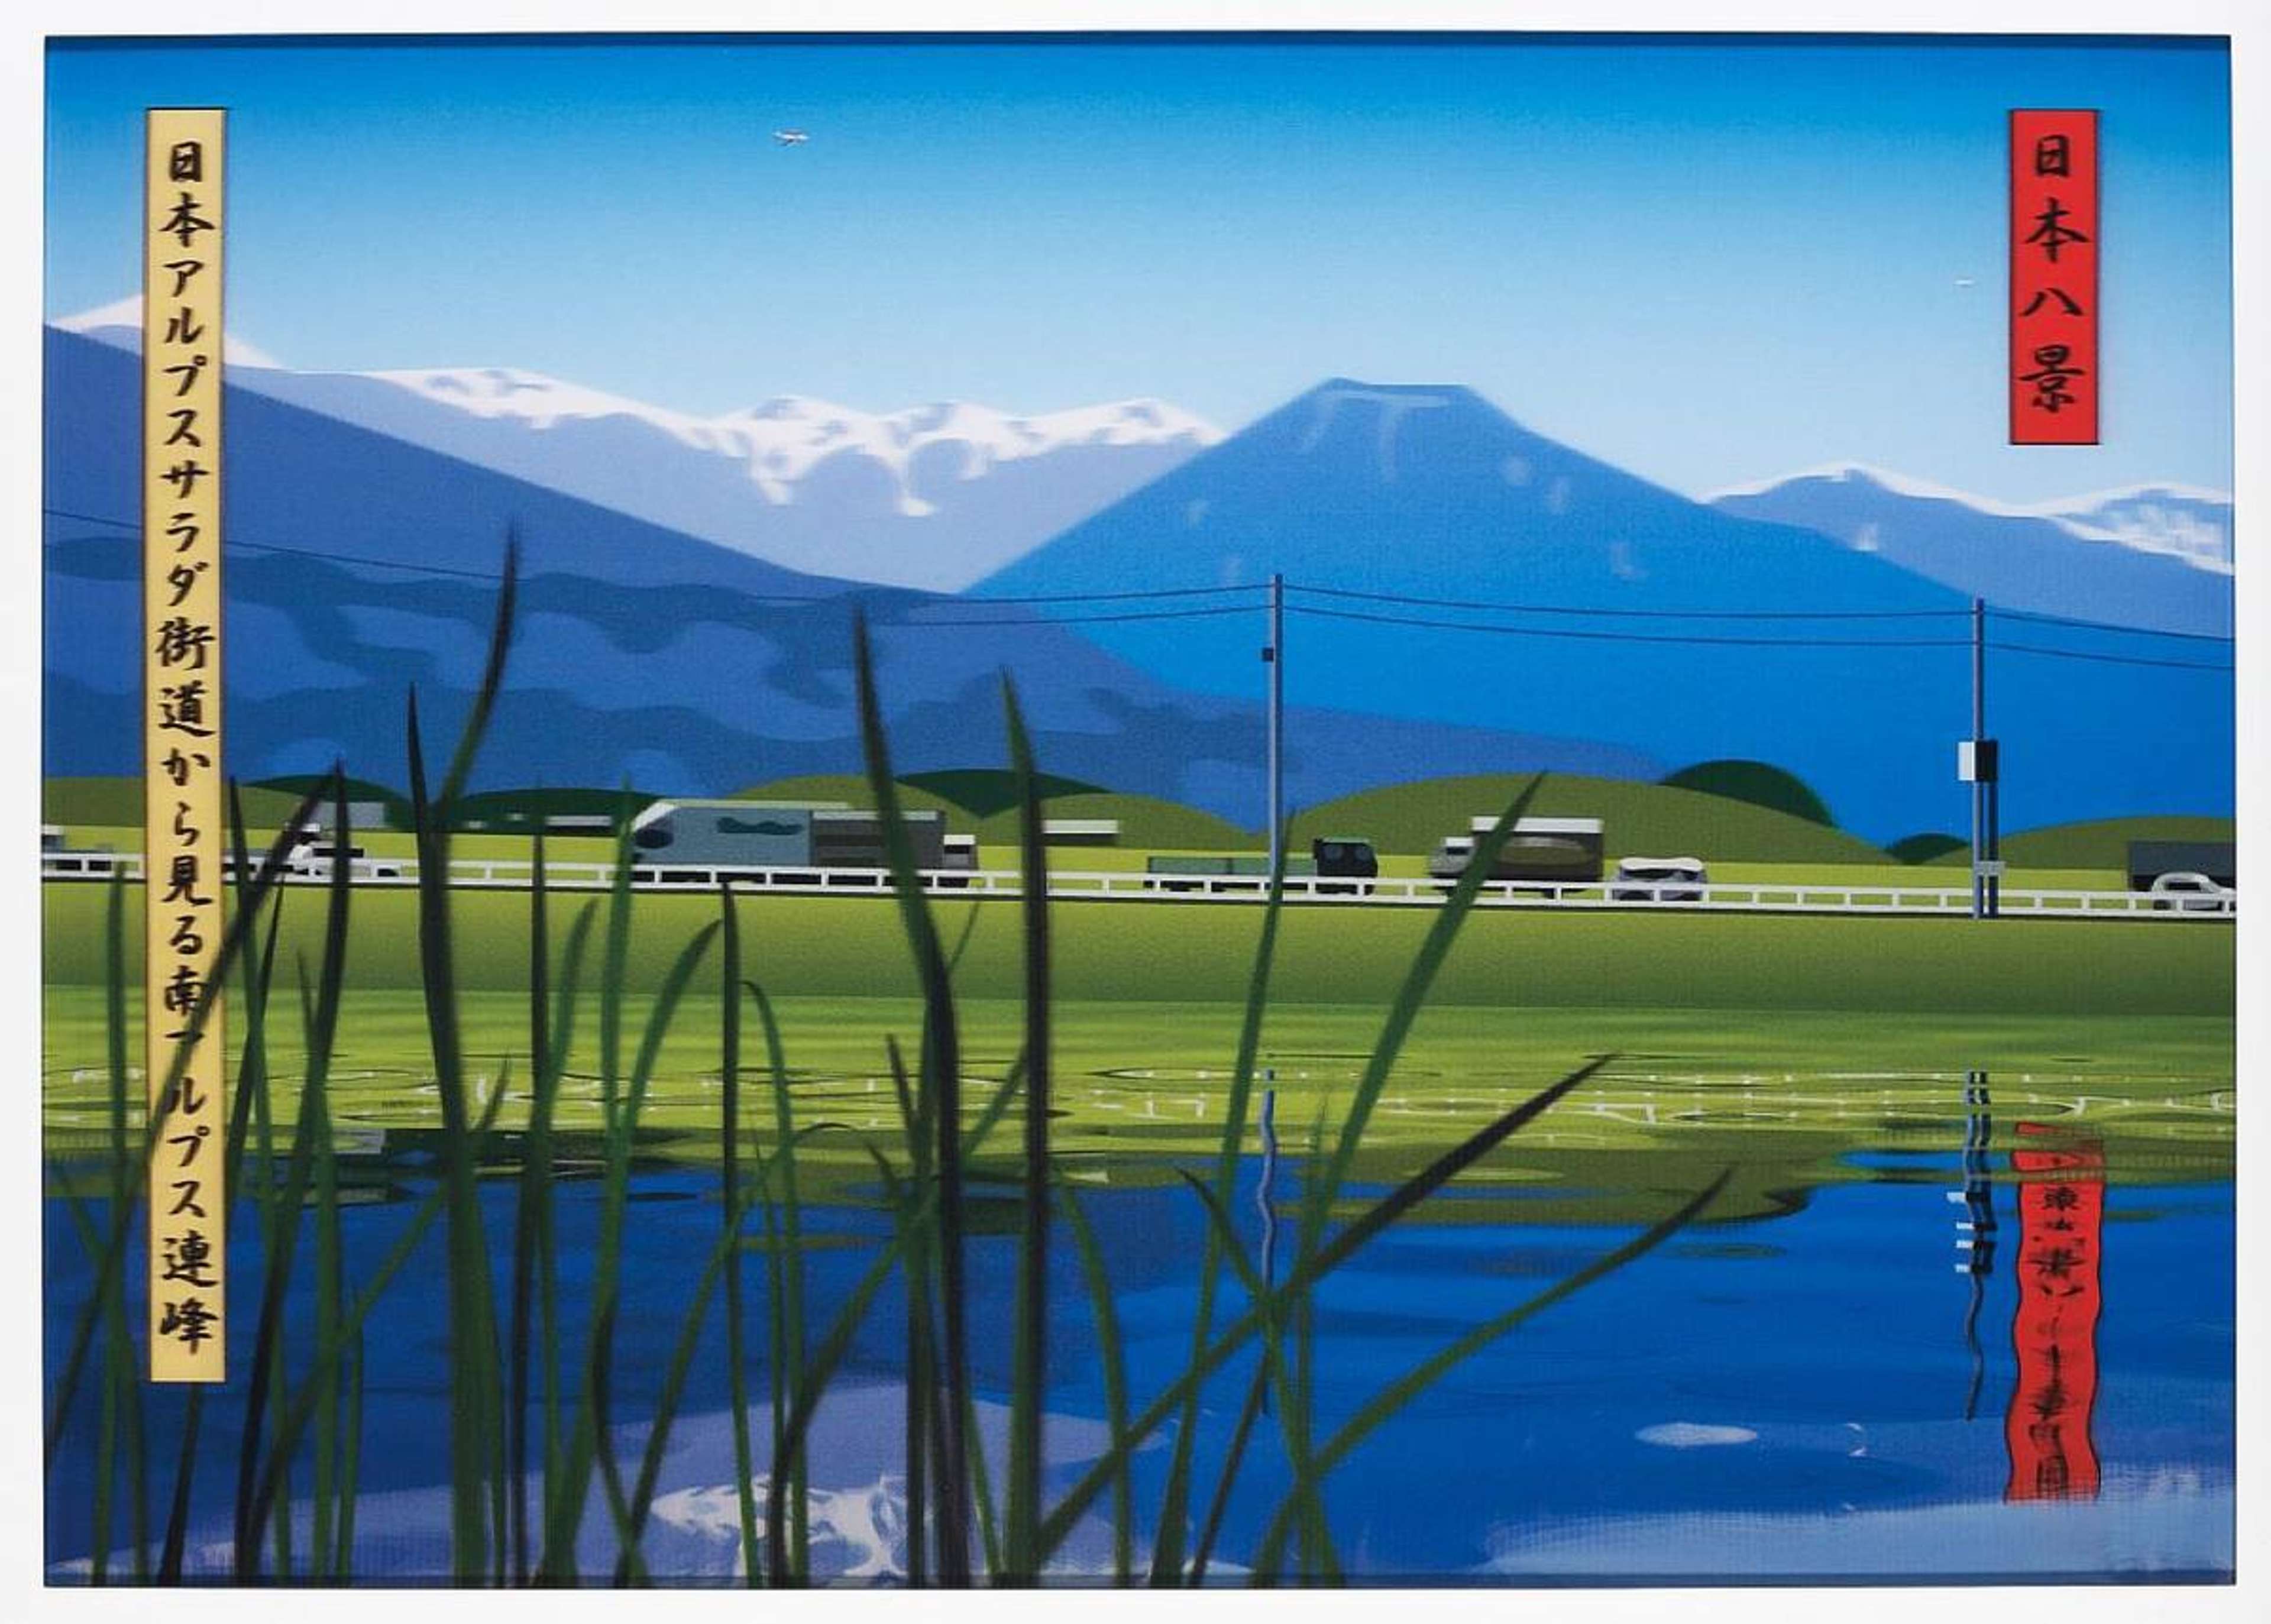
x=1273 y=655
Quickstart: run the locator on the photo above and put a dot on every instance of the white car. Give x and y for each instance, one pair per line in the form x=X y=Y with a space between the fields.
x=2188 y=892
x=1660 y=879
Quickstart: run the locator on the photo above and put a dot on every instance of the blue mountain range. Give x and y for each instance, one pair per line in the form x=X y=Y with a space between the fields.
x=1446 y=564
x=361 y=564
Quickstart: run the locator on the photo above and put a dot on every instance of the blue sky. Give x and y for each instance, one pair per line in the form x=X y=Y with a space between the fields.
x=1706 y=261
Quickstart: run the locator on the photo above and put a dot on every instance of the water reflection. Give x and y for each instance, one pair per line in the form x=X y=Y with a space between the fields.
x=2054 y=1330
x=1975 y=1229
x=1772 y=1395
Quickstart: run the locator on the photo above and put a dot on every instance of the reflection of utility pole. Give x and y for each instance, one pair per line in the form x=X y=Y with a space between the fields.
x=1265 y=1195
x=1273 y=655
x=1976 y=765
x=1975 y=1229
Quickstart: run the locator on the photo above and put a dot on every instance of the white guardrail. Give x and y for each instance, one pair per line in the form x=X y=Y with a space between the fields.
x=488 y=873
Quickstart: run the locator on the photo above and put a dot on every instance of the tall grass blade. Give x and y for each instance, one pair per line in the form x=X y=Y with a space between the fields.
x=1234 y=1457
x=962 y=939
x=1113 y=1358
x=1390 y=1400
x=255 y=1081
x=122 y=1421
x=350 y=1461
x=467 y=1263
x=123 y=1346
x=330 y=1301
x=786 y=1278
x=941 y=1072
x=981 y=1489
x=477 y=1531
x=722 y=1253
x=535 y=1190
x=1167 y=1542
x=921 y=1443
x=284 y=1225
x=729 y=1152
x=537 y=1153
x=1271 y=1371
x=1029 y=1368
x=334 y=1343
x=819 y=1371
x=255 y=1086
x=1405 y=1010
x=1305 y=1274
x=591 y=1440
x=112 y=1259
x=174 y=1548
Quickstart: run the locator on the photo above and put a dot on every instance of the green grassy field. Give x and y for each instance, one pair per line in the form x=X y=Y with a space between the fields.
x=1178 y=951
x=1142 y=1086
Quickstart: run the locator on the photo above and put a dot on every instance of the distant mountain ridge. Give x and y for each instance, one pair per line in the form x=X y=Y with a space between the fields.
x=2155 y=556
x=933 y=497
x=2191 y=522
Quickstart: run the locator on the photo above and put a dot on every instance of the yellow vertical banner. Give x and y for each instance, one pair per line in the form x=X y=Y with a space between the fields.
x=183 y=879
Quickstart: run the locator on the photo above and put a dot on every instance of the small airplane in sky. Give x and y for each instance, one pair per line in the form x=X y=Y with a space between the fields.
x=791 y=138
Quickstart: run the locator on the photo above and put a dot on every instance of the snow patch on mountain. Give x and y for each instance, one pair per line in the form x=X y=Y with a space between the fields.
x=2189 y=522
x=782 y=440
x=120 y=323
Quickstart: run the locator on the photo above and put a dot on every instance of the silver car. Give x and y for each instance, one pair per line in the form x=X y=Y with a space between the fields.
x=1660 y=879
x=2188 y=892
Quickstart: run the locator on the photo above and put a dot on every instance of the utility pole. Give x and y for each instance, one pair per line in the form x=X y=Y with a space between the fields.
x=1273 y=655
x=1978 y=784
x=1979 y=764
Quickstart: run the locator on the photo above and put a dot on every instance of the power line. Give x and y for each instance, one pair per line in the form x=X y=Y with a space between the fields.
x=1164 y=592
x=2141 y=631
x=1635 y=637
x=2108 y=659
x=491 y=575
x=1543 y=609
x=1088 y=620
x=1160 y=594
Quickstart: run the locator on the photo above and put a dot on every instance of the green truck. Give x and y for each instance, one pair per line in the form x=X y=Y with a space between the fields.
x=1345 y=856
x=1209 y=874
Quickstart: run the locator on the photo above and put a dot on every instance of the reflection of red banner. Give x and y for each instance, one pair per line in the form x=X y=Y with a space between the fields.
x=2054 y=257
x=2054 y=1332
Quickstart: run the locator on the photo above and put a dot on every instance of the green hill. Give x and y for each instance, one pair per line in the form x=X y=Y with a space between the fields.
x=1639 y=819
x=1145 y=821
x=116 y=803
x=2101 y=843
x=1759 y=783
x=984 y=791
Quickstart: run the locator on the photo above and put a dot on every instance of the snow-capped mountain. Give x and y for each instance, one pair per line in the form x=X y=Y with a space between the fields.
x=2155 y=556
x=120 y=323
x=1444 y=562
x=931 y=496
x=784 y=439
x=2184 y=520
